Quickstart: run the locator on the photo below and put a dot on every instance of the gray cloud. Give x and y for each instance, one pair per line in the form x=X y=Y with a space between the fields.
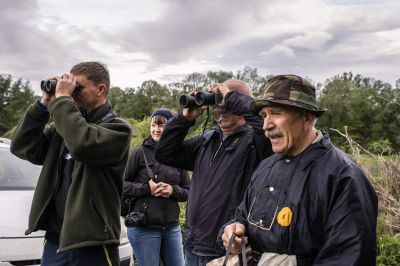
x=185 y=29
x=314 y=38
x=34 y=53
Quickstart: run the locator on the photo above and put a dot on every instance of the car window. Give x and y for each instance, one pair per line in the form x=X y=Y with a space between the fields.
x=16 y=173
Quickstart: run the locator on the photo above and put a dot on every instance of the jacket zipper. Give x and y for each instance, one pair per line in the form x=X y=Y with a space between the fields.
x=91 y=202
x=195 y=214
x=215 y=154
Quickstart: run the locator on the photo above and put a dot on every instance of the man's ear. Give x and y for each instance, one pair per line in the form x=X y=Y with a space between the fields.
x=101 y=90
x=310 y=119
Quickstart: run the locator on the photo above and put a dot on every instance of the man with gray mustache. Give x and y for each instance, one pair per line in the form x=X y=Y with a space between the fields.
x=310 y=203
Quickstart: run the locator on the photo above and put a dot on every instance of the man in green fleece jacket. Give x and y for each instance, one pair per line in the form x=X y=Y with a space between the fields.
x=83 y=152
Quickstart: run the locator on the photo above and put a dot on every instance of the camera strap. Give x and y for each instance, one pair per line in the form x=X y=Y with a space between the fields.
x=149 y=171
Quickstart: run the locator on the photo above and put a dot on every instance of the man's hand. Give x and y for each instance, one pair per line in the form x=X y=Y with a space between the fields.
x=191 y=114
x=163 y=190
x=65 y=85
x=153 y=186
x=46 y=98
x=239 y=230
x=221 y=87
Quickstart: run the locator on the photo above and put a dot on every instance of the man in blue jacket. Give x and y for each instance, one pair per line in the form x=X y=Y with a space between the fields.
x=309 y=203
x=222 y=161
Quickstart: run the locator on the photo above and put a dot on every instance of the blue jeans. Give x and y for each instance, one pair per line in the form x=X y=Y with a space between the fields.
x=150 y=244
x=192 y=259
x=86 y=256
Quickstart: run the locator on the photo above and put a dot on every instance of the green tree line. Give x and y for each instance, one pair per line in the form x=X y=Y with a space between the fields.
x=369 y=108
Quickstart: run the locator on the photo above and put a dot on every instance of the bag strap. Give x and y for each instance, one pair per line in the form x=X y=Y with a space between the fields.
x=149 y=171
x=229 y=248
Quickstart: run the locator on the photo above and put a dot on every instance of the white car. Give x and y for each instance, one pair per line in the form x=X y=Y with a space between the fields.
x=18 y=179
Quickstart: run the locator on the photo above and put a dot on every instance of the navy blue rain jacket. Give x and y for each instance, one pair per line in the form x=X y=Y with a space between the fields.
x=333 y=208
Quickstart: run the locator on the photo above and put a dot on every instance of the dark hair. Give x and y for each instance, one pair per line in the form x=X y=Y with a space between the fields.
x=159 y=120
x=95 y=71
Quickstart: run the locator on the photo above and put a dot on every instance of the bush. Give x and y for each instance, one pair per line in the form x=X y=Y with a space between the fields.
x=388 y=250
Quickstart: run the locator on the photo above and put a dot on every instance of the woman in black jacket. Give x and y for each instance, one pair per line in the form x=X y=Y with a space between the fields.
x=153 y=229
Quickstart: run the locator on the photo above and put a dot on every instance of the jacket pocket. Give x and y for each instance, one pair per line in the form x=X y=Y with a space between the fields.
x=98 y=215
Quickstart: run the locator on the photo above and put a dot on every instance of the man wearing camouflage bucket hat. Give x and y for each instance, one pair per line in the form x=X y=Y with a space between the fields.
x=310 y=203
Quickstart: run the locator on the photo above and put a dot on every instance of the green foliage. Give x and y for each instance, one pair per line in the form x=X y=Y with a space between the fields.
x=182 y=214
x=15 y=97
x=388 y=248
x=9 y=133
x=368 y=107
x=381 y=146
x=140 y=130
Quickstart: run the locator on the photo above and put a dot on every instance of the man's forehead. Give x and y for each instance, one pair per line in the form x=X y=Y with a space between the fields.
x=272 y=107
x=82 y=79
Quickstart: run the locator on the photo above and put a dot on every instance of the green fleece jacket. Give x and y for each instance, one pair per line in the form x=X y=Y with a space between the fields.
x=100 y=150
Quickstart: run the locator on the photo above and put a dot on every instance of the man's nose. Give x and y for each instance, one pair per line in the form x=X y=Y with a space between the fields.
x=267 y=125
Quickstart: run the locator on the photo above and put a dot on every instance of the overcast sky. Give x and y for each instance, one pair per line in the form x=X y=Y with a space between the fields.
x=166 y=40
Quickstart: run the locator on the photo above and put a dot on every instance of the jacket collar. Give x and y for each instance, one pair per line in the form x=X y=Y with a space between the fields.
x=149 y=142
x=98 y=113
x=309 y=155
x=240 y=129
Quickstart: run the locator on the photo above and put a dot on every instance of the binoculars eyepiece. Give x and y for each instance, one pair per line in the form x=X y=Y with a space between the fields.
x=49 y=85
x=200 y=99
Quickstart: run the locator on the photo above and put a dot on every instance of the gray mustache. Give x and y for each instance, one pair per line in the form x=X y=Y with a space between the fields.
x=274 y=133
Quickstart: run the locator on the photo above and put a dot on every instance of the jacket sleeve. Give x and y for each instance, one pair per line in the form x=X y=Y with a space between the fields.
x=240 y=217
x=31 y=140
x=172 y=149
x=131 y=186
x=239 y=104
x=180 y=191
x=96 y=145
x=350 y=227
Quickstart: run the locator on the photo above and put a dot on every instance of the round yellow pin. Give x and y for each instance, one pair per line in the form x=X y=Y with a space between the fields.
x=284 y=217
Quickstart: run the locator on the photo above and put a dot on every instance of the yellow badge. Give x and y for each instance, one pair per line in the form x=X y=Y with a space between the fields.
x=285 y=216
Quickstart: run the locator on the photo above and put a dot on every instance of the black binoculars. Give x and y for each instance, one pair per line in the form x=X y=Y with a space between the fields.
x=49 y=85
x=200 y=99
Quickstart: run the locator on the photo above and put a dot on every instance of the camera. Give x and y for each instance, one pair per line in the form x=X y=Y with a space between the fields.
x=49 y=85
x=200 y=99
x=135 y=218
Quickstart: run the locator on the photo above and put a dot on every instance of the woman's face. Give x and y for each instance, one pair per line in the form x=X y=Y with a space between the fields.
x=157 y=126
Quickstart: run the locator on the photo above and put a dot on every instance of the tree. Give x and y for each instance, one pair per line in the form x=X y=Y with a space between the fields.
x=219 y=76
x=361 y=104
x=251 y=77
x=15 y=97
x=115 y=97
x=196 y=82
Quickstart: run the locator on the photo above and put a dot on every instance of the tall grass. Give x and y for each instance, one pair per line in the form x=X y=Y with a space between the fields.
x=384 y=174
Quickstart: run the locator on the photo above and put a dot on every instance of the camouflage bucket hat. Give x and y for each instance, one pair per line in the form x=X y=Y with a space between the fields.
x=288 y=90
